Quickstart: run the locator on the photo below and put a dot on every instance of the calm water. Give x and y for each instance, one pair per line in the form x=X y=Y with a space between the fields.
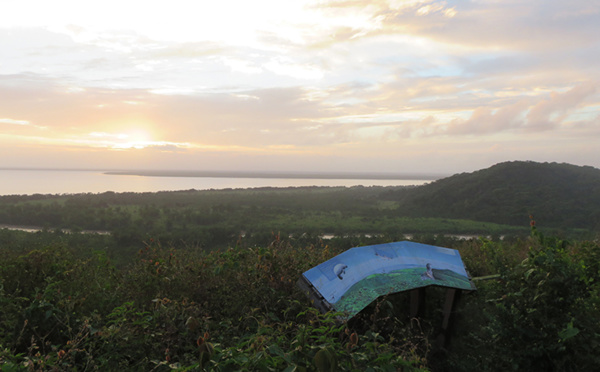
x=73 y=182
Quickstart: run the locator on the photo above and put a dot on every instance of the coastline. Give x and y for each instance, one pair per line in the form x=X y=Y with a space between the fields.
x=71 y=181
x=281 y=175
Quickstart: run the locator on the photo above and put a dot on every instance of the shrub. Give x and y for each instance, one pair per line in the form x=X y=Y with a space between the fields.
x=541 y=315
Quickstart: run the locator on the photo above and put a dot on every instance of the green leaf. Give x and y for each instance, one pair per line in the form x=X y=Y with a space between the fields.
x=568 y=332
x=275 y=349
x=528 y=273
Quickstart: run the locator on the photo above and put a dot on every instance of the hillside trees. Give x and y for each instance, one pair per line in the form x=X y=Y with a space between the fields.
x=560 y=195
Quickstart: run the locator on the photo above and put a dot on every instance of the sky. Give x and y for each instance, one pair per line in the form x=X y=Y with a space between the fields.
x=274 y=85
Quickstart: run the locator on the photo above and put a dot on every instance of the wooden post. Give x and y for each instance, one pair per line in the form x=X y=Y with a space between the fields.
x=452 y=295
x=417 y=302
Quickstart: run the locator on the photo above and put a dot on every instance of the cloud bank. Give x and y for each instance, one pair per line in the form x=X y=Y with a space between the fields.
x=436 y=86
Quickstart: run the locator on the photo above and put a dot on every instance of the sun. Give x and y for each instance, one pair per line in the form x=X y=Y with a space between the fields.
x=133 y=139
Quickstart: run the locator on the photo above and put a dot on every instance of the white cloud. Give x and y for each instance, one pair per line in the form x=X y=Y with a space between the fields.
x=287 y=67
x=14 y=122
x=243 y=66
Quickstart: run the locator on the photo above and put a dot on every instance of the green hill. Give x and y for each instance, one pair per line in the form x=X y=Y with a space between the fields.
x=557 y=195
x=493 y=201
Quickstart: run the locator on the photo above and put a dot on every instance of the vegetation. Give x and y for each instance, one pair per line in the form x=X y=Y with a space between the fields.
x=185 y=308
x=217 y=219
x=541 y=315
x=562 y=195
x=176 y=308
x=494 y=201
x=194 y=281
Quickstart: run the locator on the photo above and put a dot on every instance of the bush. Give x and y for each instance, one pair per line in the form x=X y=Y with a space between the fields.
x=541 y=315
x=185 y=308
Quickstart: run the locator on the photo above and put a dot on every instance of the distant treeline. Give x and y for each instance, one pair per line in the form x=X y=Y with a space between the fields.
x=218 y=218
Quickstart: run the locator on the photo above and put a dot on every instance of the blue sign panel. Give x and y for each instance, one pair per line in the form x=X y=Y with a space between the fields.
x=352 y=280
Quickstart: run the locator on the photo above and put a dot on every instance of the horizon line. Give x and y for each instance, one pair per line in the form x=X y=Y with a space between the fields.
x=246 y=173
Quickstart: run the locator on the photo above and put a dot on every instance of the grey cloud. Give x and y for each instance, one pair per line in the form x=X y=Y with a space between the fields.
x=589 y=128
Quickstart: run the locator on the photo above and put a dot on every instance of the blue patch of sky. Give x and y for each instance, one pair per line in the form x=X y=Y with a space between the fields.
x=440 y=71
x=585 y=114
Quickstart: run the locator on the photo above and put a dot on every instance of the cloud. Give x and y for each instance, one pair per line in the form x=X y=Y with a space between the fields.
x=346 y=79
x=281 y=118
x=530 y=114
x=221 y=119
x=14 y=122
x=588 y=127
x=187 y=50
x=550 y=112
x=168 y=148
x=486 y=120
x=286 y=66
x=531 y=25
x=485 y=25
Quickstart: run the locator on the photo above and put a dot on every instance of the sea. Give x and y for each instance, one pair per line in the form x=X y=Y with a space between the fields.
x=45 y=181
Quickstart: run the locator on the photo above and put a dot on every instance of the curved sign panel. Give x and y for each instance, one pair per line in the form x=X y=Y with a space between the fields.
x=352 y=280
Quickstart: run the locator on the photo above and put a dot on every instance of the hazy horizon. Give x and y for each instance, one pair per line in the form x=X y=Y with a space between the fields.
x=392 y=86
x=150 y=172
x=54 y=181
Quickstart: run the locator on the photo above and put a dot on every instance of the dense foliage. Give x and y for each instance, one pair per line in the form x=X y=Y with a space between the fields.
x=218 y=218
x=177 y=308
x=542 y=314
x=494 y=201
x=562 y=195
x=182 y=307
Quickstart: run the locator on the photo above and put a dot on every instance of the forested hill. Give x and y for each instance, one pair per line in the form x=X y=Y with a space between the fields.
x=557 y=195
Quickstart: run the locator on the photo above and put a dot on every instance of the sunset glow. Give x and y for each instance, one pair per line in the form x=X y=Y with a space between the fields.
x=383 y=86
